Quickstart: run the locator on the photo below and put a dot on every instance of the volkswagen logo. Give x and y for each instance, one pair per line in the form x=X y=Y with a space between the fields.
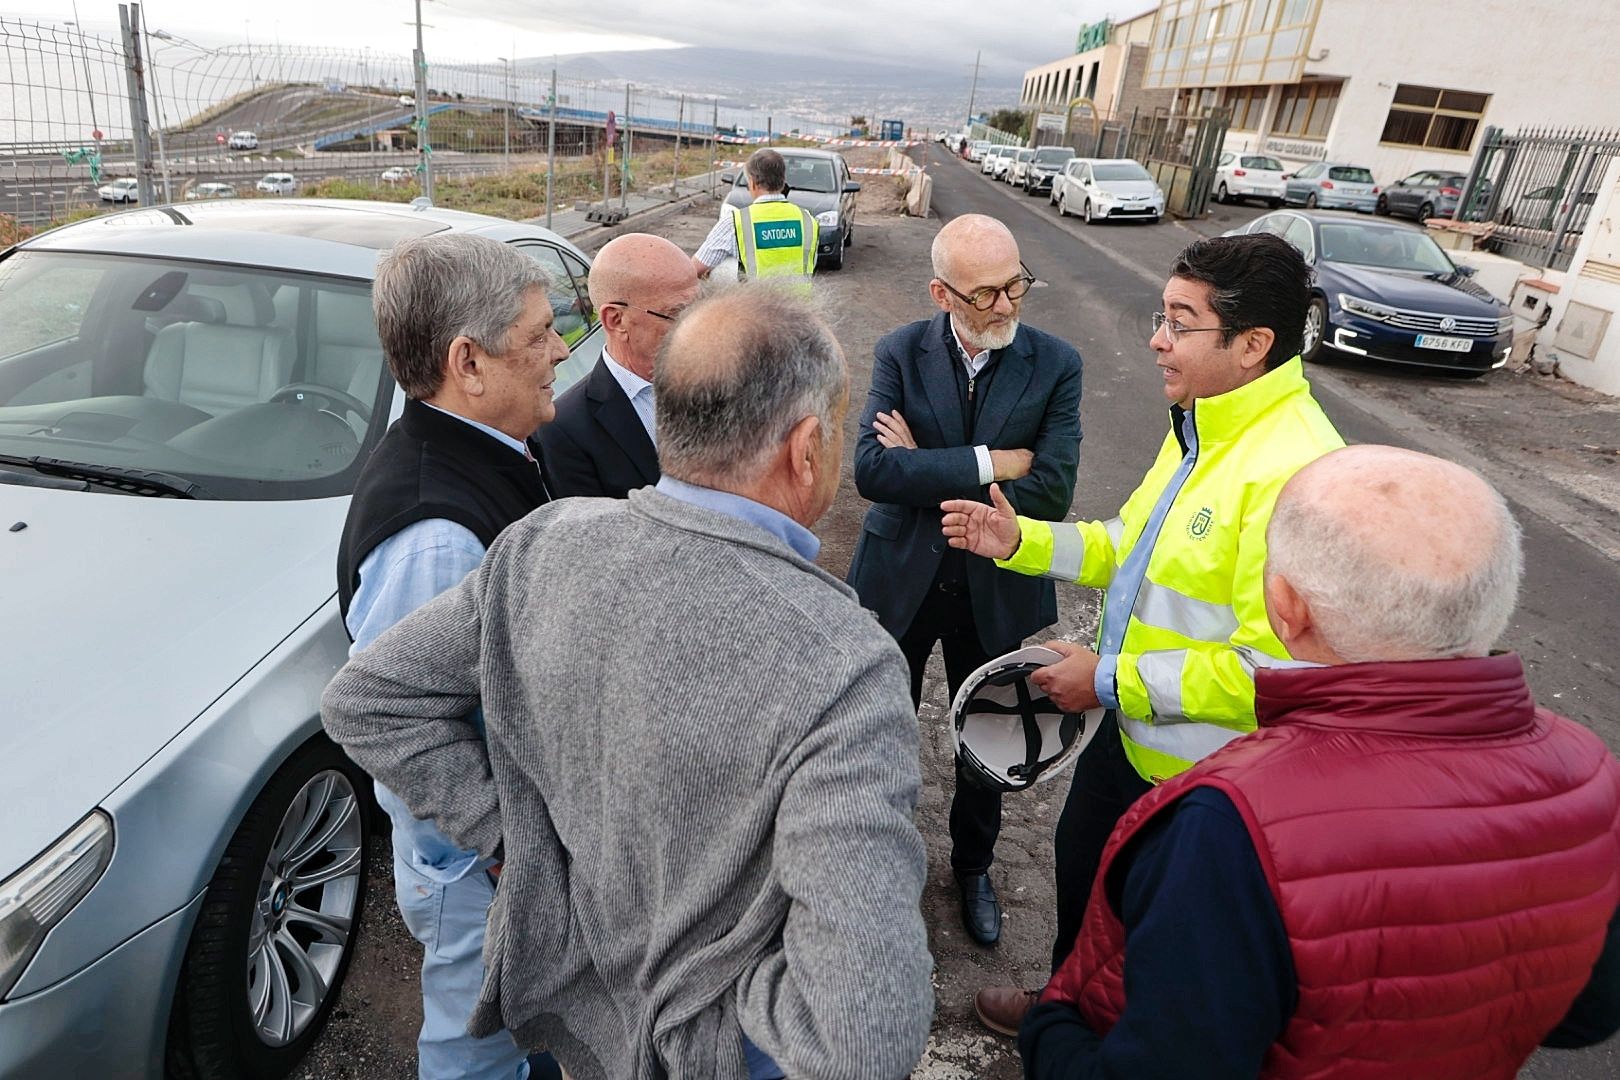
x=1448 y=323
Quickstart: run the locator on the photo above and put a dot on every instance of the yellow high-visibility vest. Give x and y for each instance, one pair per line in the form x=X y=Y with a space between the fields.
x=775 y=239
x=1184 y=622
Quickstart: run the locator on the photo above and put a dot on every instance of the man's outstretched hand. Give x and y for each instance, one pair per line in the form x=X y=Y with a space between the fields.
x=1071 y=682
x=991 y=531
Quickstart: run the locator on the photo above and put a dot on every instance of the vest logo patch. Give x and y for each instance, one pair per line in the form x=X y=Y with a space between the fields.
x=778 y=234
x=1199 y=526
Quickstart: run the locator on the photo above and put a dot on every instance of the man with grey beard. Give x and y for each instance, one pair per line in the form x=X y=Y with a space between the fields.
x=960 y=401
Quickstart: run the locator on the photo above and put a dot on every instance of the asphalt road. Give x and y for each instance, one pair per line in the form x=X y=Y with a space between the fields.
x=1100 y=285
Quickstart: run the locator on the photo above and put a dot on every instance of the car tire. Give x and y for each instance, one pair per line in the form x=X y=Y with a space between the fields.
x=316 y=806
x=1381 y=207
x=1063 y=210
x=1425 y=212
x=1275 y=204
x=1316 y=328
x=1310 y=201
x=1085 y=212
x=1221 y=195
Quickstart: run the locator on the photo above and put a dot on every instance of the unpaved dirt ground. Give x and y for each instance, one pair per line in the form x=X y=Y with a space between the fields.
x=372 y=1032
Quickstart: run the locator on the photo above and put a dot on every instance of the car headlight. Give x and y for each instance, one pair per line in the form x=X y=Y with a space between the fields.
x=1504 y=324
x=36 y=898
x=1365 y=308
x=828 y=218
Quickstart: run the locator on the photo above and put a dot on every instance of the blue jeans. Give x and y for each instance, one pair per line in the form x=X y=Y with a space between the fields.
x=760 y=1067
x=448 y=919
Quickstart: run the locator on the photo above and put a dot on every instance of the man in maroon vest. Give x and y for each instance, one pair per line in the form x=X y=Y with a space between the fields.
x=1409 y=870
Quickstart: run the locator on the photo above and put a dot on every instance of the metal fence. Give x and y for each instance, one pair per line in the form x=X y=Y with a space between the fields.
x=1180 y=149
x=71 y=105
x=1537 y=186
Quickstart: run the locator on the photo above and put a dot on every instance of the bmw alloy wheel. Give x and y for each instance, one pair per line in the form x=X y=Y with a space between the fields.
x=296 y=943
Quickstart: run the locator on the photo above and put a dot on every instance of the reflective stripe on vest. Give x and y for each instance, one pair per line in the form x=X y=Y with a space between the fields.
x=775 y=239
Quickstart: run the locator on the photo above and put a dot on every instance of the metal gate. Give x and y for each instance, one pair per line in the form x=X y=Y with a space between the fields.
x=1181 y=151
x=1538 y=187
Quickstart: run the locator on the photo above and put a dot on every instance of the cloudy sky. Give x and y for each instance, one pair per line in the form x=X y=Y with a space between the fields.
x=1013 y=37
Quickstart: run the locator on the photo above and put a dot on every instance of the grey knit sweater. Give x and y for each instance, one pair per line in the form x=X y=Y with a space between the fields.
x=702 y=765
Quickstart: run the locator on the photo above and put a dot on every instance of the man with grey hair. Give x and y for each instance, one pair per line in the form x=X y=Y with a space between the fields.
x=770 y=237
x=1409 y=866
x=711 y=868
x=467 y=329
x=958 y=402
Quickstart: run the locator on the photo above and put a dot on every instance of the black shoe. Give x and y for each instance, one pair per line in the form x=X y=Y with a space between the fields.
x=981 y=911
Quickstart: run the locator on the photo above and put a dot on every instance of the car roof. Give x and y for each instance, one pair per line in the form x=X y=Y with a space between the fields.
x=798 y=152
x=322 y=236
x=1109 y=161
x=1348 y=217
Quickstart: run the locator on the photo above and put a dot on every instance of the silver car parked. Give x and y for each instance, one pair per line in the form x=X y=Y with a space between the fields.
x=186 y=397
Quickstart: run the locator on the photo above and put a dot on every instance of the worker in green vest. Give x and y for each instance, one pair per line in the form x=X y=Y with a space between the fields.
x=770 y=237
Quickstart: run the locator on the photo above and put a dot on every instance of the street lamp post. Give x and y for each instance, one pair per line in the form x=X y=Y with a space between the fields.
x=506 y=115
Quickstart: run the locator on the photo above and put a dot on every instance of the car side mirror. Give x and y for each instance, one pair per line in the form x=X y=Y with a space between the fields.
x=1288 y=176
x=851 y=187
x=1466 y=271
x=728 y=178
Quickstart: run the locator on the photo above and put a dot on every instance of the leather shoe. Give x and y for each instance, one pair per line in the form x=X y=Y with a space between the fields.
x=1002 y=1008
x=981 y=911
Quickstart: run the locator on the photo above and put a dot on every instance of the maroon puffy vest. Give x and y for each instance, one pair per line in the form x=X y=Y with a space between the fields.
x=1445 y=857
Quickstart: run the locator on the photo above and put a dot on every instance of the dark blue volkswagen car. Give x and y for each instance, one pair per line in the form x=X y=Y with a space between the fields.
x=1388 y=292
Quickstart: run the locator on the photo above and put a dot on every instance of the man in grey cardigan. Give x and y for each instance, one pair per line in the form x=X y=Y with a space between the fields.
x=700 y=762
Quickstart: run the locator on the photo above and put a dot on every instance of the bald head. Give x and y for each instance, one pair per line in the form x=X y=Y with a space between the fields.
x=636 y=278
x=737 y=374
x=968 y=241
x=1396 y=555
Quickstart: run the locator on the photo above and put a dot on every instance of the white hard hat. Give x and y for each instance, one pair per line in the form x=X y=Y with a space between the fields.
x=1008 y=734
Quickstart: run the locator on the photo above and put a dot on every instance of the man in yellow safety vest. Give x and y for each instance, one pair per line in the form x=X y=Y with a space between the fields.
x=770 y=237
x=1184 y=621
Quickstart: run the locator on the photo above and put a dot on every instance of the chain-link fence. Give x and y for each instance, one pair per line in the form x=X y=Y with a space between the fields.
x=503 y=134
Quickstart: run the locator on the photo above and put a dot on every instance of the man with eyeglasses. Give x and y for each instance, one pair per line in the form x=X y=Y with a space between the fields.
x=603 y=441
x=968 y=398
x=1184 y=622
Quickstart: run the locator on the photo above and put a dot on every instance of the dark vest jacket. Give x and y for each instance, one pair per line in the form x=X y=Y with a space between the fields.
x=1444 y=854
x=430 y=465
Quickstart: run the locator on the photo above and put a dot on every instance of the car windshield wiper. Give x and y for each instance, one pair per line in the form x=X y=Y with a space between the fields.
x=130 y=481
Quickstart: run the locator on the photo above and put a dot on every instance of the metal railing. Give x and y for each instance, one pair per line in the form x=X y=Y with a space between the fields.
x=1537 y=186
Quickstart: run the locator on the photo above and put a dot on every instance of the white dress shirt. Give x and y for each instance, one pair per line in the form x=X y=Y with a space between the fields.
x=974 y=365
x=638 y=390
x=721 y=243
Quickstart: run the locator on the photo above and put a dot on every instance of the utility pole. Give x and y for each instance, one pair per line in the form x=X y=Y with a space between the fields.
x=680 y=125
x=551 y=142
x=973 y=93
x=506 y=115
x=129 y=20
x=714 y=145
x=424 y=152
x=624 y=163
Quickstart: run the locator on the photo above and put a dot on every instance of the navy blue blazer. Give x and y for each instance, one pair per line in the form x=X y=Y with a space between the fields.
x=596 y=445
x=1033 y=403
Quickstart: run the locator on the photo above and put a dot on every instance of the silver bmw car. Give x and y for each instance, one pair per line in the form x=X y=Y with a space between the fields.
x=187 y=394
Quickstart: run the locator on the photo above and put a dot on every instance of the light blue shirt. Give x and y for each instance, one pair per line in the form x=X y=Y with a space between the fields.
x=1120 y=599
x=638 y=390
x=398 y=576
x=773 y=521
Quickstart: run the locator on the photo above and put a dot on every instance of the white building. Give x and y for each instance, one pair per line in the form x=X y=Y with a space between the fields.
x=1393 y=87
x=1105 y=71
x=1582 y=332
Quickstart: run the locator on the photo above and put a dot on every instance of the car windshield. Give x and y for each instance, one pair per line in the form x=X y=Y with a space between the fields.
x=1269 y=164
x=809 y=174
x=1025 y=155
x=1385 y=248
x=1056 y=155
x=254 y=384
x=1350 y=174
x=1120 y=170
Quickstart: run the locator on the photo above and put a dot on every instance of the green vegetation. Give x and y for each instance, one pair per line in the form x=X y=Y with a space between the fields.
x=1013 y=121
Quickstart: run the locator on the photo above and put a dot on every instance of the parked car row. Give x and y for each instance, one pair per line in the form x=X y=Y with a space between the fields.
x=1341 y=185
x=1096 y=189
x=126 y=189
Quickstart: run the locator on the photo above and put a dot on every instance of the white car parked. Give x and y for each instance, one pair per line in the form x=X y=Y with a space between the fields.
x=1020 y=167
x=278 y=183
x=987 y=164
x=244 y=140
x=1102 y=188
x=126 y=189
x=397 y=174
x=211 y=191
x=1249 y=176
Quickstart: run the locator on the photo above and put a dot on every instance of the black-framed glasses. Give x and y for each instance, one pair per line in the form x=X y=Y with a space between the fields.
x=645 y=311
x=984 y=299
x=1175 y=329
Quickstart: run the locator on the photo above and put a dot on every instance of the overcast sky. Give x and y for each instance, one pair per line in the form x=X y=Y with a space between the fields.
x=1013 y=36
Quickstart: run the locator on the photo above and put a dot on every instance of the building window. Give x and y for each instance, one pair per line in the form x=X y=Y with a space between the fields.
x=1435 y=118
x=1248 y=104
x=1306 y=109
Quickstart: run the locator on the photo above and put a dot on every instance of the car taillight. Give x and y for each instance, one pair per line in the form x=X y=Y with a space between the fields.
x=1239 y=172
x=1375 y=189
x=1450 y=191
x=1327 y=184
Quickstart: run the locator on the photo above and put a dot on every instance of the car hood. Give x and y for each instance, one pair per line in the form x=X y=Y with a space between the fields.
x=129 y=616
x=1453 y=294
x=1128 y=187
